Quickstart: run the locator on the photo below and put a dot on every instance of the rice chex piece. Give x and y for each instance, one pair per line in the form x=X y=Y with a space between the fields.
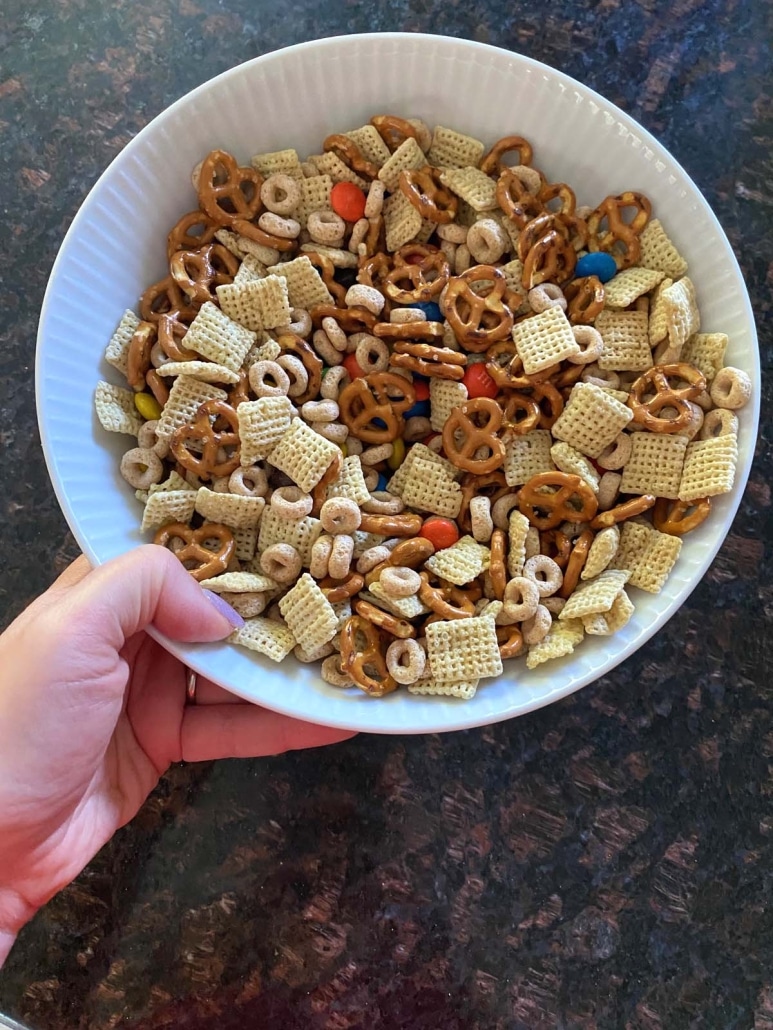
x=404 y=471
x=461 y=562
x=463 y=649
x=262 y=424
x=305 y=287
x=240 y=583
x=657 y=327
x=561 y=640
x=709 y=467
x=634 y=538
x=302 y=534
x=526 y=456
x=657 y=251
x=601 y=552
x=284 y=162
x=630 y=284
x=595 y=595
x=655 y=465
x=452 y=149
x=303 y=455
x=308 y=613
x=250 y=269
x=707 y=352
x=340 y=258
x=647 y=554
x=591 y=419
x=174 y=482
x=185 y=398
x=404 y=607
x=332 y=165
x=463 y=689
x=401 y=220
x=372 y=147
x=620 y=613
x=350 y=481
x=544 y=339
x=473 y=186
x=683 y=318
x=407 y=157
x=444 y=396
x=117 y=353
x=233 y=510
x=259 y=304
x=513 y=270
x=205 y=371
x=518 y=527
x=430 y=488
x=265 y=349
x=246 y=541
x=626 y=340
x=116 y=410
x=218 y=338
x=268 y=637
x=567 y=459
x=167 y=506
x=315 y=196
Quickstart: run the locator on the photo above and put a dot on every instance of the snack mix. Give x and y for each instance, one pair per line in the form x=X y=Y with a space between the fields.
x=413 y=412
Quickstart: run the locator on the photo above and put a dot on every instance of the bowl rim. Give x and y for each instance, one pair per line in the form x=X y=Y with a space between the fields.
x=187 y=655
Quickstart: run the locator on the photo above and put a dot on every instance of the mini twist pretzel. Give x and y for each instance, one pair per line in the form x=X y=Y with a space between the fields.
x=138 y=357
x=198 y=272
x=393 y=130
x=439 y=362
x=362 y=658
x=522 y=414
x=619 y=238
x=422 y=186
x=492 y=162
x=652 y=393
x=290 y=343
x=385 y=620
x=550 y=498
x=516 y=200
x=426 y=278
x=446 y=600
x=383 y=396
x=170 y=335
x=347 y=151
x=411 y=553
x=415 y=332
x=205 y=563
x=550 y=403
x=373 y=272
x=493 y=486
x=478 y=421
x=585 y=299
x=352 y=320
x=478 y=320
x=335 y=590
x=404 y=524
x=497 y=567
x=558 y=191
x=551 y=259
x=510 y=640
x=679 y=517
x=228 y=193
x=626 y=510
x=184 y=236
x=576 y=562
x=205 y=428
x=505 y=367
x=166 y=298
x=556 y=545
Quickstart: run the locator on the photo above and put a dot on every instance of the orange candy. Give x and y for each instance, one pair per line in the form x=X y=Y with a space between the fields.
x=350 y=362
x=348 y=201
x=440 y=532
x=478 y=382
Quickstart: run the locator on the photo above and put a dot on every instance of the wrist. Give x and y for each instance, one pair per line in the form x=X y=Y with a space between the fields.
x=14 y=913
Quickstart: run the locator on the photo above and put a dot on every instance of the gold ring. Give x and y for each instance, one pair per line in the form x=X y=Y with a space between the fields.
x=190 y=687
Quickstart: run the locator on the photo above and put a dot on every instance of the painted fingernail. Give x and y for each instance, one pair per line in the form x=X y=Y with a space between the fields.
x=224 y=608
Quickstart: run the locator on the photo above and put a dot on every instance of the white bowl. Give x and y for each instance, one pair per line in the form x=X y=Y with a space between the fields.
x=294 y=98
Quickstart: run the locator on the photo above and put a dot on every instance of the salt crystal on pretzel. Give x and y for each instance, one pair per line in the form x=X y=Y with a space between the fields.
x=709 y=467
x=518 y=527
x=403 y=607
x=657 y=251
x=657 y=327
x=204 y=371
x=240 y=583
x=567 y=459
x=401 y=221
x=526 y=456
x=215 y=336
x=594 y=595
x=473 y=186
x=707 y=352
x=647 y=554
x=268 y=637
x=655 y=465
x=463 y=649
x=303 y=455
x=116 y=410
x=627 y=286
x=463 y=689
x=301 y=534
x=232 y=510
x=350 y=481
x=626 y=340
x=408 y=157
x=590 y=420
x=305 y=286
x=417 y=451
x=308 y=613
x=117 y=353
x=250 y=269
x=452 y=149
x=683 y=318
x=315 y=196
x=561 y=640
x=460 y=563
x=444 y=396
x=167 y=506
x=371 y=145
x=262 y=424
x=429 y=487
x=602 y=551
x=245 y=540
x=332 y=165
x=259 y=304
x=544 y=339
x=282 y=162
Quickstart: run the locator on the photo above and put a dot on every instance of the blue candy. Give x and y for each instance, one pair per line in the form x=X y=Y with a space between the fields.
x=382 y=482
x=419 y=408
x=430 y=309
x=600 y=264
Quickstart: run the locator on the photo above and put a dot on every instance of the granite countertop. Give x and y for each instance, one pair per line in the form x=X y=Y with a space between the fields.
x=604 y=863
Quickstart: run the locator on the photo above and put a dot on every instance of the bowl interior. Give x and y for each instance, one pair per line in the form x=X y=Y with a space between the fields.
x=294 y=98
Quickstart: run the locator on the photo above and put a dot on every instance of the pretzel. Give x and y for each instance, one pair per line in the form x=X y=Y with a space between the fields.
x=157 y=386
x=181 y=237
x=626 y=510
x=679 y=517
x=550 y=403
x=415 y=332
x=551 y=259
x=505 y=367
x=493 y=486
x=576 y=562
x=584 y=298
x=240 y=392
x=447 y=601
x=198 y=272
x=656 y=381
x=422 y=186
x=516 y=200
x=352 y=320
x=204 y=429
x=619 y=233
x=423 y=288
x=510 y=640
x=561 y=496
x=551 y=191
x=166 y=298
x=326 y=270
x=556 y=545
x=393 y=130
x=210 y=563
x=367 y=400
x=290 y=343
x=406 y=524
x=497 y=569
x=265 y=239
x=441 y=362
x=478 y=320
x=170 y=333
x=138 y=355
x=347 y=151
x=362 y=658
x=227 y=193
x=373 y=272
x=384 y=620
x=319 y=493
x=411 y=553
x=514 y=405
x=474 y=435
x=492 y=161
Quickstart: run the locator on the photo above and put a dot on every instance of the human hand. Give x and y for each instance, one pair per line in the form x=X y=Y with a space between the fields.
x=92 y=713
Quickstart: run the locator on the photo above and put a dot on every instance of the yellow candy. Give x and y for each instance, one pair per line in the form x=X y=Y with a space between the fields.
x=343 y=448
x=148 y=406
x=398 y=454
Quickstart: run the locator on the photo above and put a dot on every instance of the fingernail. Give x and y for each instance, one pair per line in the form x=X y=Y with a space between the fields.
x=224 y=608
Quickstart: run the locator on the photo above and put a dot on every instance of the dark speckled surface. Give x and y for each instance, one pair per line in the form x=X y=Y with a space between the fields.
x=605 y=863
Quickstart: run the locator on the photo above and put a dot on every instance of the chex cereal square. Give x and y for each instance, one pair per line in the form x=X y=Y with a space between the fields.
x=518 y=527
x=545 y=339
x=117 y=353
x=215 y=336
x=315 y=196
x=452 y=149
x=657 y=328
x=681 y=310
x=234 y=510
x=404 y=607
x=429 y=487
x=444 y=396
x=116 y=410
x=401 y=220
x=461 y=562
x=655 y=465
x=185 y=398
x=407 y=157
x=308 y=613
x=626 y=340
x=332 y=165
x=630 y=284
x=303 y=455
x=526 y=456
x=240 y=583
x=273 y=639
x=262 y=424
x=372 y=147
x=250 y=269
x=591 y=419
x=473 y=186
x=283 y=162
x=602 y=550
x=166 y=506
x=709 y=467
x=567 y=459
x=657 y=251
x=305 y=287
x=595 y=595
x=259 y=304
x=206 y=371
x=350 y=481
x=707 y=352
x=561 y=640
x=301 y=534
x=463 y=649
x=464 y=689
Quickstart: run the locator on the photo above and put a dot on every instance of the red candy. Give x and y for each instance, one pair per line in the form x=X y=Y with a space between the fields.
x=348 y=201
x=440 y=532
x=478 y=382
x=421 y=389
x=350 y=361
